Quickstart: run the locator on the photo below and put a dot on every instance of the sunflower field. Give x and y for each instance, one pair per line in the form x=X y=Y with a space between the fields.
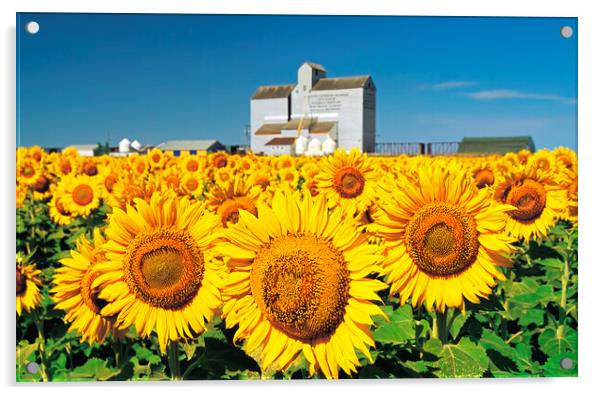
x=217 y=266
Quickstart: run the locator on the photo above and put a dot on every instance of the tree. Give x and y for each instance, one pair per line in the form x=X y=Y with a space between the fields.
x=102 y=149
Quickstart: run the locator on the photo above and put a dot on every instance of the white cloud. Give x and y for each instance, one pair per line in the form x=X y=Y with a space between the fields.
x=453 y=84
x=445 y=85
x=495 y=94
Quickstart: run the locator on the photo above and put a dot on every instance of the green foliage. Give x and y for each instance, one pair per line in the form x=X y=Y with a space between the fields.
x=528 y=327
x=102 y=149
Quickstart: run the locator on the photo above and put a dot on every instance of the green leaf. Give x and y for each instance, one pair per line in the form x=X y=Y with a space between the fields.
x=532 y=316
x=552 y=263
x=373 y=372
x=400 y=328
x=524 y=359
x=24 y=351
x=457 y=324
x=554 y=366
x=93 y=369
x=491 y=341
x=555 y=342
x=465 y=359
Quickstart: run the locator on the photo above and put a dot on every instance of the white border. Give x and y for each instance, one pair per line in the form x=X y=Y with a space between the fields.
x=590 y=64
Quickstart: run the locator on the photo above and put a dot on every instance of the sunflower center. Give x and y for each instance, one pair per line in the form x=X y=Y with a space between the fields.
x=90 y=169
x=192 y=184
x=543 y=163
x=220 y=161
x=228 y=210
x=289 y=176
x=41 y=185
x=483 y=178
x=313 y=187
x=192 y=166
x=156 y=157
x=442 y=239
x=110 y=181
x=262 y=181
x=60 y=207
x=529 y=197
x=172 y=181
x=28 y=171
x=90 y=295
x=66 y=167
x=349 y=182
x=566 y=160
x=82 y=194
x=439 y=240
x=21 y=283
x=164 y=267
x=301 y=284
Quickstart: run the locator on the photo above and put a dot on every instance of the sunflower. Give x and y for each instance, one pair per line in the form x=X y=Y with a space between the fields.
x=74 y=293
x=570 y=183
x=36 y=153
x=289 y=176
x=226 y=200
x=108 y=178
x=57 y=211
x=566 y=156
x=171 y=179
x=537 y=196
x=155 y=158
x=284 y=161
x=191 y=164
x=79 y=194
x=483 y=174
x=444 y=239
x=219 y=160
x=140 y=166
x=298 y=285
x=21 y=195
x=191 y=185
x=65 y=166
x=348 y=180
x=223 y=177
x=28 y=171
x=160 y=274
x=124 y=191
x=41 y=188
x=28 y=281
x=88 y=166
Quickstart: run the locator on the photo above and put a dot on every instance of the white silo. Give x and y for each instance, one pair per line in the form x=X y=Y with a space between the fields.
x=329 y=146
x=300 y=145
x=124 y=145
x=314 y=147
x=136 y=145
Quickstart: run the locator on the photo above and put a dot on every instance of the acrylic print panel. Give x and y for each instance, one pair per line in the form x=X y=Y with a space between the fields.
x=245 y=197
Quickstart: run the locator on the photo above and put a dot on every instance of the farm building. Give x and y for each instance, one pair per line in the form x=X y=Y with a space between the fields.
x=192 y=146
x=323 y=110
x=83 y=149
x=495 y=145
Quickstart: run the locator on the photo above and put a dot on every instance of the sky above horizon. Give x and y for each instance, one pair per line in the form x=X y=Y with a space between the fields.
x=84 y=77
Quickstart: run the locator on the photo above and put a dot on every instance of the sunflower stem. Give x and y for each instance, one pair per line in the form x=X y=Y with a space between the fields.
x=194 y=364
x=118 y=350
x=41 y=345
x=173 y=359
x=565 y=282
x=440 y=327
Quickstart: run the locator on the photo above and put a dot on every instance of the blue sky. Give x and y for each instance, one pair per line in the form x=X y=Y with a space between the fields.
x=160 y=77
